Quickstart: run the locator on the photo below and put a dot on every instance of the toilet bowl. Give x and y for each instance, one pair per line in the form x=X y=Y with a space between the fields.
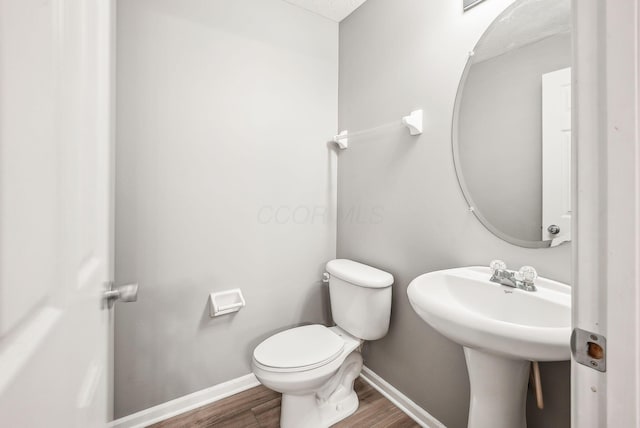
x=314 y=366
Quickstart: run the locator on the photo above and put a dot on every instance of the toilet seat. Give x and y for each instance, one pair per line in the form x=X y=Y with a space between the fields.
x=299 y=349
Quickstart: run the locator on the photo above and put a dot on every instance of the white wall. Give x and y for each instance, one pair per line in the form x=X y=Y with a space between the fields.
x=224 y=180
x=396 y=56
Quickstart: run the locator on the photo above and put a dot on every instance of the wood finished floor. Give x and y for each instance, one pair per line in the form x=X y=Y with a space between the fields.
x=259 y=407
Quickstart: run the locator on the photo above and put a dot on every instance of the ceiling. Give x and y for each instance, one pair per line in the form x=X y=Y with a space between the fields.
x=525 y=22
x=336 y=10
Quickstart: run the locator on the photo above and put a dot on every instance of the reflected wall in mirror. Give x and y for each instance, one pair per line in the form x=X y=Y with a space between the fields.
x=512 y=125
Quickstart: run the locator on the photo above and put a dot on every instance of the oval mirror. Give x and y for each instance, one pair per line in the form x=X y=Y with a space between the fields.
x=512 y=125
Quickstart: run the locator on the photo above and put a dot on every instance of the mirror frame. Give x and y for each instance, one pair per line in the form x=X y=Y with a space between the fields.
x=468 y=4
x=456 y=155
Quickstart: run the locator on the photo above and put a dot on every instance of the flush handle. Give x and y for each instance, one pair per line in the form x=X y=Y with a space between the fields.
x=124 y=293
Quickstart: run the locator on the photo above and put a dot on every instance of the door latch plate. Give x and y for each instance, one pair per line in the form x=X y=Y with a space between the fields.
x=589 y=349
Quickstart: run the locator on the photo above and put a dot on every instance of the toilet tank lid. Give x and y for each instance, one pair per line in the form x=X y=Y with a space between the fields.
x=359 y=274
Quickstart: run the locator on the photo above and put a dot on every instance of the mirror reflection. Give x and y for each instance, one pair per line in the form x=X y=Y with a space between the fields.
x=512 y=125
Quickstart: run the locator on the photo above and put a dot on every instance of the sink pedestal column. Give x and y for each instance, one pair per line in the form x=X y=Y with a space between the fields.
x=498 y=390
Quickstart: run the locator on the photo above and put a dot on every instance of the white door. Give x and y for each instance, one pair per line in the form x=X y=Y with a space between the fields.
x=55 y=211
x=606 y=248
x=556 y=156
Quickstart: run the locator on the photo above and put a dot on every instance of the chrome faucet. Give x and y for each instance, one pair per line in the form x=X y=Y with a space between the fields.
x=523 y=279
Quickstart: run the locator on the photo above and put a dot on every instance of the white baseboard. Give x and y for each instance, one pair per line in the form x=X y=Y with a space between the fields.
x=184 y=404
x=401 y=401
x=218 y=392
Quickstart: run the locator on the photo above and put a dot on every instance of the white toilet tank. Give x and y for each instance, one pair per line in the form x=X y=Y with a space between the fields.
x=360 y=298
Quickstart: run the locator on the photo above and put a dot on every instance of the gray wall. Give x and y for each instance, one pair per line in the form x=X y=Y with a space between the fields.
x=224 y=180
x=396 y=56
x=500 y=134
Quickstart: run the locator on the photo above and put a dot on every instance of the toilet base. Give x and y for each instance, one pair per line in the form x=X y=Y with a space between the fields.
x=332 y=403
x=305 y=411
x=334 y=413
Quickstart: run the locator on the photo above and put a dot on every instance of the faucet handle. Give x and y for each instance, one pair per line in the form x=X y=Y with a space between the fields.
x=528 y=274
x=497 y=266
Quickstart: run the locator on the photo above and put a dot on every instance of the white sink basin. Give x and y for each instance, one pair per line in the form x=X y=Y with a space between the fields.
x=501 y=329
x=465 y=306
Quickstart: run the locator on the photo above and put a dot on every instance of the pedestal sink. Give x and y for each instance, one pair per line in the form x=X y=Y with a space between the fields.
x=501 y=329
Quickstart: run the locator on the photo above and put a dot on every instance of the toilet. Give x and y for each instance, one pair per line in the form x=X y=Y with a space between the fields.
x=314 y=366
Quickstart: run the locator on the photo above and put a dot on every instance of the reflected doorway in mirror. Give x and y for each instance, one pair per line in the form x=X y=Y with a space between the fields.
x=556 y=156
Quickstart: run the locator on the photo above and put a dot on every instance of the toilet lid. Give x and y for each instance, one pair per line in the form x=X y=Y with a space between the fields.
x=301 y=347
